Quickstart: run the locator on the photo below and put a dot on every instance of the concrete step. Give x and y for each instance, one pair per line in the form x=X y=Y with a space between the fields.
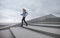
x=21 y=32
x=45 y=29
x=45 y=24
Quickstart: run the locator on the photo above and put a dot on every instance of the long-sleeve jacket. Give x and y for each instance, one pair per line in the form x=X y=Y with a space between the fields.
x=24 y=14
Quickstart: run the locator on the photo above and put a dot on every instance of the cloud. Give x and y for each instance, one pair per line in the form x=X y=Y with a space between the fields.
x=8 y=15
x=11 y=9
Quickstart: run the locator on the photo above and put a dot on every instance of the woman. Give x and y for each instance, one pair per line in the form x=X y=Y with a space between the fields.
x=24 y=14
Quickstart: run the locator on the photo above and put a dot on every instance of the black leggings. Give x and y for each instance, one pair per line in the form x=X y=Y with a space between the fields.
x=23 y=19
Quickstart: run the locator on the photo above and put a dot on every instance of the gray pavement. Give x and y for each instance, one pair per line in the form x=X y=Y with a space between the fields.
x=30 y=31
x=35 y=32
x=24 y=33
x=5 y=34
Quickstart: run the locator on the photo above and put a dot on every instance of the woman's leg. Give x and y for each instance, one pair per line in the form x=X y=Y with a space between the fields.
x=22 y=21
x=25 y=21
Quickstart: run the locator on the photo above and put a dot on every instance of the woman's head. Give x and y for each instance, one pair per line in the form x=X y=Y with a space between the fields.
x=24 y=9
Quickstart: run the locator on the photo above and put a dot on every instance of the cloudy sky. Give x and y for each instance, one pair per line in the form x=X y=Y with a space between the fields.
x=10 y=10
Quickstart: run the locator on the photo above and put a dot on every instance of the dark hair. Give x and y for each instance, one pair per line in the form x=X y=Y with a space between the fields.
x=24 y=10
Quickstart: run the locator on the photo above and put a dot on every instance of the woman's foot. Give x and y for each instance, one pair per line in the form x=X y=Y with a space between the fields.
x=21 y=25
x=26 y=24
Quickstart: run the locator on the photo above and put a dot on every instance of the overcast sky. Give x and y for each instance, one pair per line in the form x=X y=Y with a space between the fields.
x=10 y=10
